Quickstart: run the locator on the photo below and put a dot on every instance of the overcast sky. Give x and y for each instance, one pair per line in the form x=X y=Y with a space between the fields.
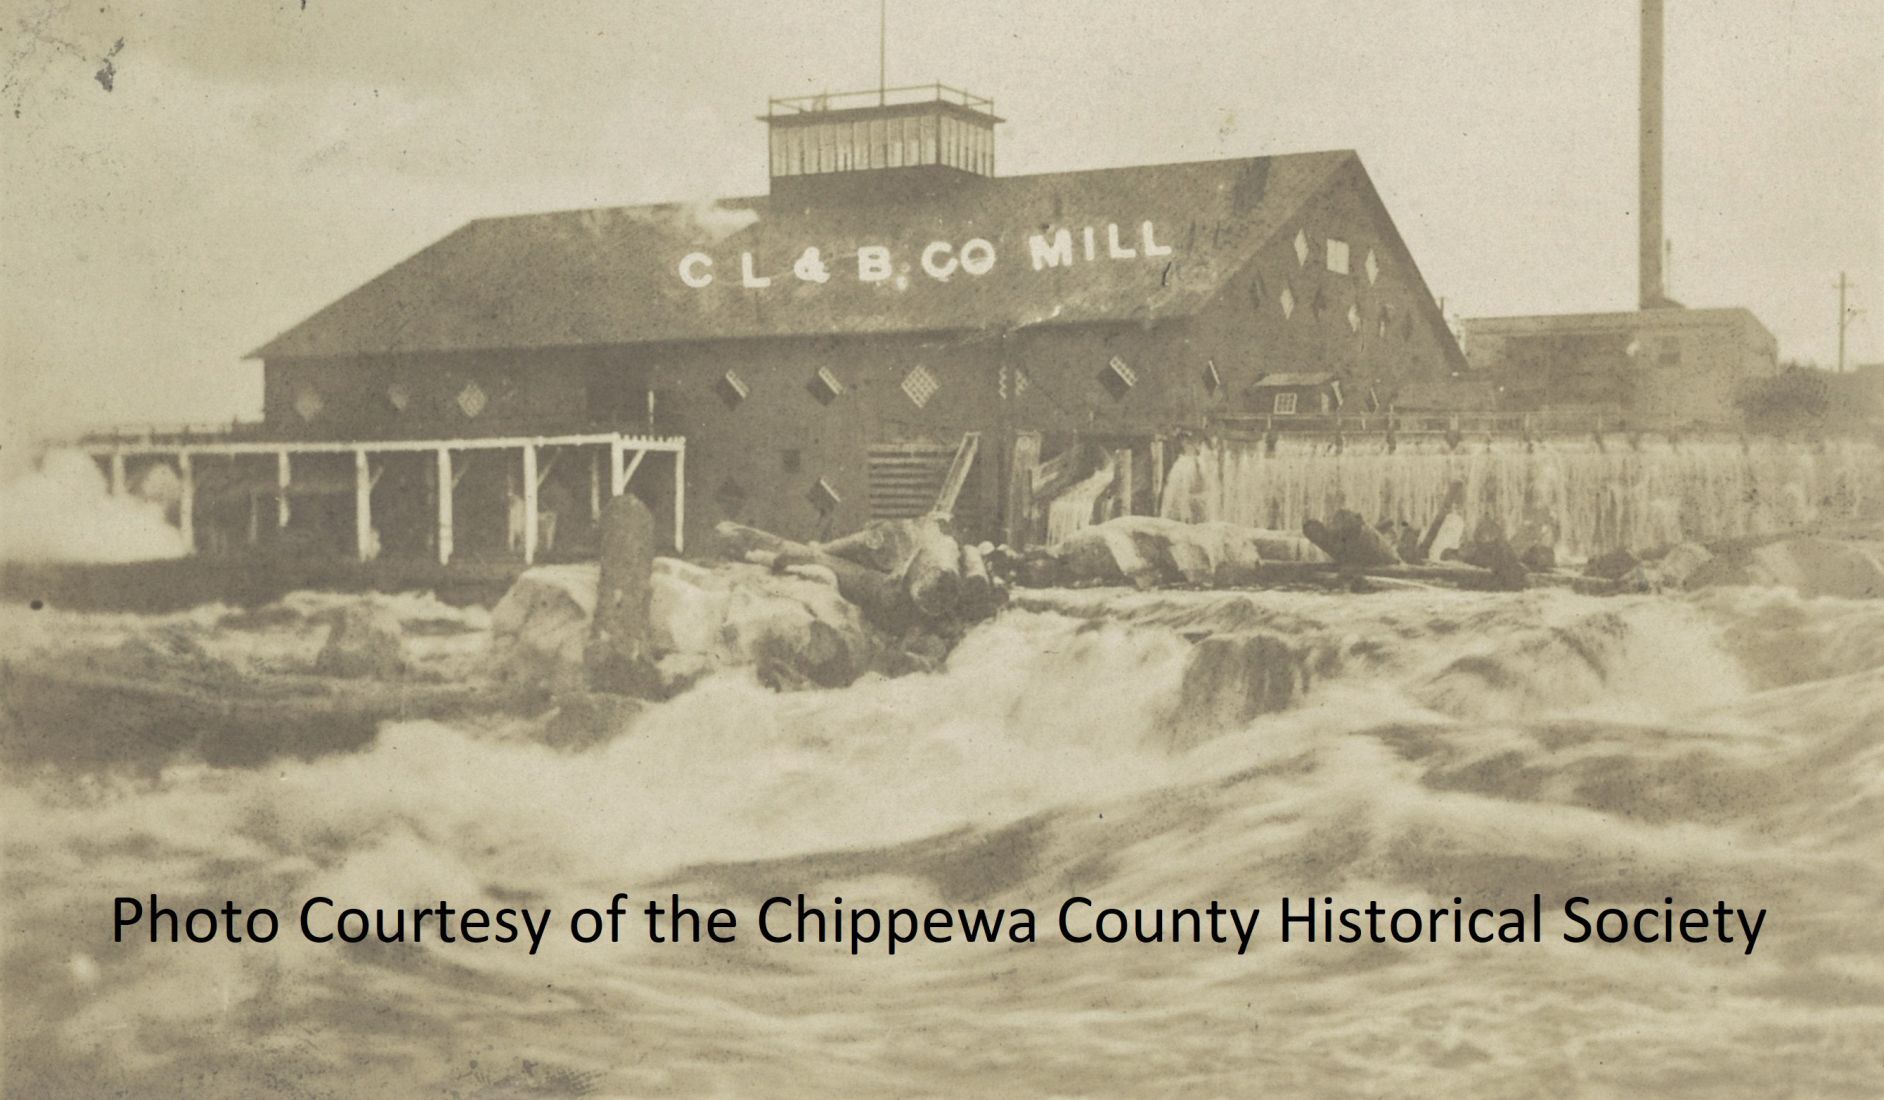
x=252 y=160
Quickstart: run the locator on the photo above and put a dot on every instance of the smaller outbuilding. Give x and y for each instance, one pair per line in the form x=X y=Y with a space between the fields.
x=1293 y=393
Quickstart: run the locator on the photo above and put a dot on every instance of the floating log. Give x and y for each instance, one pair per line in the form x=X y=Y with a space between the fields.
x=884 y=545
x=933 y=578
x=978 y=596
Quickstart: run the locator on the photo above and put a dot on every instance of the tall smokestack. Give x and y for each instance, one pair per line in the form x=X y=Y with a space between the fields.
x=1649 y=216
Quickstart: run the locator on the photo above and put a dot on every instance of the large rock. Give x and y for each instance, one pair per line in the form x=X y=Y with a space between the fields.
x=540 y=629
x=793 y=630
x=1489 y=549
x=364 y=642
x=1676 y=569
x=1230 y=679
x=1811 y=566
x=618 y=656
x=1147 y=551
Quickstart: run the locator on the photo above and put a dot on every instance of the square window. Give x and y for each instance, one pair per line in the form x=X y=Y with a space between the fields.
x=733 y=389
x=731 y=496
x=824 y=496
x=1337 y=256
x=1118 y=377
x=919 y=385
x=825 y=386
x=1285 y=404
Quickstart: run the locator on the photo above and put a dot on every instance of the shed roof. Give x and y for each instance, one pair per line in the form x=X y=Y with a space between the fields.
x=610 y=276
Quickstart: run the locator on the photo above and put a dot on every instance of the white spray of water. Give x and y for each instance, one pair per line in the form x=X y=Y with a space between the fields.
x=64 y=512
x=1596 y=497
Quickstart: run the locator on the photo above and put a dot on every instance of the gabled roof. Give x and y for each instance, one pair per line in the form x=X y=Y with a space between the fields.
x=610 y=276
x=1293 y=378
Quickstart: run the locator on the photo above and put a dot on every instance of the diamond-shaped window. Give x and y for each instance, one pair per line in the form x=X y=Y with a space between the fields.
x=307 y=402
x=1372 y=265
x=1288 y=302
x=919 y=385
x=1301 y=247
x=825 y=386
x=471 y=400
x=1354 y=319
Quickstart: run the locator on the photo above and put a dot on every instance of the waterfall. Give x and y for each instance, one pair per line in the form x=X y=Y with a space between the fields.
x=1596 y=497
x=1072 y=509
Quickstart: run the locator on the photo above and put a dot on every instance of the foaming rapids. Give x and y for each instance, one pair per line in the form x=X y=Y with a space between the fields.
x=1135 y=748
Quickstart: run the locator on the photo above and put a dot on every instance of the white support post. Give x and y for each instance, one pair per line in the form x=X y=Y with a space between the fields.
x=117 y=473
x=595 y=485
x=616 y=481
x=186 y=502
x=445 y=487
x=529 y=504
x=680 y=500
x=284 y=472
x=362 y=506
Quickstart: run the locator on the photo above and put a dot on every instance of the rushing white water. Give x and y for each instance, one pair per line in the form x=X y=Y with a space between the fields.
x=64 y=511
x=1723 y=746
x=1597 y=498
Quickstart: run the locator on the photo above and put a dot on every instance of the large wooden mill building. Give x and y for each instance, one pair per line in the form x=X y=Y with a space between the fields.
x=815 y=357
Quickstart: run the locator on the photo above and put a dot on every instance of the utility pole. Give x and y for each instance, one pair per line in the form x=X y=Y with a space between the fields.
x=1845 y=316
x=883 y=40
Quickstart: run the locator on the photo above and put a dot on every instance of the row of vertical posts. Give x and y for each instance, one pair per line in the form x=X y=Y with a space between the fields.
x=363 y=481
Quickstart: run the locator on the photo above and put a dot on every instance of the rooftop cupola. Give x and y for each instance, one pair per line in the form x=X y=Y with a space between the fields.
x=925 y=134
